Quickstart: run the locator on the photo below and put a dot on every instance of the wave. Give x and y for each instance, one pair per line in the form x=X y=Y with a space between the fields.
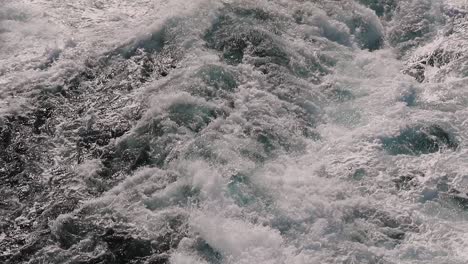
x=234 y=132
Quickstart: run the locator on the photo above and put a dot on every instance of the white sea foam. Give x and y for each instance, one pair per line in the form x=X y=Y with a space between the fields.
x=280 y=156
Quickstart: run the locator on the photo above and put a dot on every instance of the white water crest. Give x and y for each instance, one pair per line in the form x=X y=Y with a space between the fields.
x=258 y=131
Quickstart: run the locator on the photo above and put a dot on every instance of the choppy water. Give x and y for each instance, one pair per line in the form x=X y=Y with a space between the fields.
x=272 y=131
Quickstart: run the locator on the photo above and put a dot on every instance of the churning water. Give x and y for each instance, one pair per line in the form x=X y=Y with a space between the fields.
x=269 y=131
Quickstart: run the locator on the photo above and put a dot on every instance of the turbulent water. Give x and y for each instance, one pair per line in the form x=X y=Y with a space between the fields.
x=270 y=131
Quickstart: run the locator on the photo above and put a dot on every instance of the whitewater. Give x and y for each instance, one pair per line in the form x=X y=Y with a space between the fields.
x=234 y=131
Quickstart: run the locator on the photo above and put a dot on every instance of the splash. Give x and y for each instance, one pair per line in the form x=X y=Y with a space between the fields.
x=235 y=132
